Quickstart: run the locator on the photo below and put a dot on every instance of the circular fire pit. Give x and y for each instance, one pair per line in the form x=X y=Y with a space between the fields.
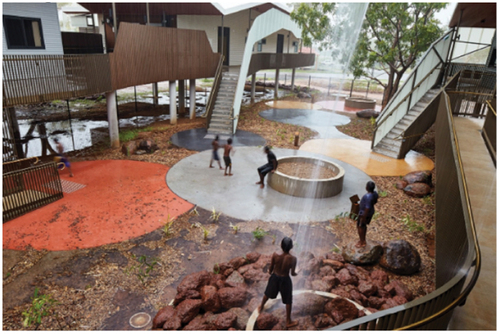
x=304 y=187
x=359 y=103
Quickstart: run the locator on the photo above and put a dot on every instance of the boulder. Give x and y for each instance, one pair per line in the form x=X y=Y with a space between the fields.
x=336 y=257
x=346 y=278
x=367 y=113
x=129 y=148
x=163 y=315
x=424 y=176
x=303 y=95
x=225 y=320
x=147 y=145
x=266 y=321
x=331 y=281
x=367 y=288
x=417 y=190
x=215 y=278
x=237 y=262
x=255 y=275
x=210 y=299
x=341 y=310
x=172 y=324
x=235 y=279
x=396 y=287
x=263 y=263
x=241 y=318
x=324 y=321
x=326 y=271
x=252 y=257
x=188 y=309
x=335 y=264
x=360 y=256
x=194 y=281
x=376 y=302
x=232 y=297
x=199 y=324
x=311 y=266
x=308 y=304
x=400 y=257
x=186 y=294
x=401 y=184
x=319 y=285
x=379 y=275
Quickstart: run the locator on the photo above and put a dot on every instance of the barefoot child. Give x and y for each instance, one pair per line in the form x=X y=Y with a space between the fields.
x=282 y=265
x=366 y=212
x=227 y=159
x=271 y=166
x=215 y=154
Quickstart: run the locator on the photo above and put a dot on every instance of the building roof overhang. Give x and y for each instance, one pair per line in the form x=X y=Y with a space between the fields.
x=475 y=15
x=155 y=8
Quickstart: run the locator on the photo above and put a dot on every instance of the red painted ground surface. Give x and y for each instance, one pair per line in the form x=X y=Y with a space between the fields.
x=122 y=199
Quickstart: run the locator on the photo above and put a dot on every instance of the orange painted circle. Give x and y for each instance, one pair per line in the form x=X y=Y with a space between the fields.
x=121 y=200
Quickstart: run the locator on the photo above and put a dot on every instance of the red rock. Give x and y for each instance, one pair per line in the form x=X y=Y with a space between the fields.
x=234 y=280
x=389 y=303
x=340 y=292
x=266 y=321
x=324 y=321
x=172 y=324
x=318 y=285
x=129 y=148
x=237 y=262
x=340 y=310
x=199 y=324
x=225 y=320
x=326 y=271
x=254 y=275
x=311 y=266
x=232 y=329
x=263 y=263
x=194 y=281
x=307 y=304
x=162 y=316
x=186 y=294
x=400 y=257
x=359 y=272
x=400 y=300
x=232 y=297
x=417 y=190
x=424 y=176
x=346 y=278
x=358 y=297
x=241 y=317
x=222 y=267
x=380 y=276
x=372 y=310
x=252 y=304
x=331 y=281
x=401 y=184
x=245 y=268
x=228 y=272
x=376 y=302
x=361 y=313
x=367 y=288
x=395 y=287
x=214 y=278
x=280 y=326
x=252 y=257
x=336 y=257
x=188 y=309
x=210 y=299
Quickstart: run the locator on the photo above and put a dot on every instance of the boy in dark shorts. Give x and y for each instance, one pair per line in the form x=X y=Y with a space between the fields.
x=282 y=265
x=227 y=158
x=215 y=154
x=271 y=166
x=366 y=211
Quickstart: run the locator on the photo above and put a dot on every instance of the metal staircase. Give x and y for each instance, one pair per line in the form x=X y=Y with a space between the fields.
x=391 y=145
x=221 y=120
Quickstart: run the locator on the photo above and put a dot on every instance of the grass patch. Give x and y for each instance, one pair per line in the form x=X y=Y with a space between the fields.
x=129 y=135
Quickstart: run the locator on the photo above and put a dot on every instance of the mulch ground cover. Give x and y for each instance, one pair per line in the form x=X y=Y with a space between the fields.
x=101 y=288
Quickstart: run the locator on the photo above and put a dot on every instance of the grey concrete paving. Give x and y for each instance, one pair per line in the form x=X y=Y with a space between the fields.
x=322 y=122
x=238 y=196
x=199 y=140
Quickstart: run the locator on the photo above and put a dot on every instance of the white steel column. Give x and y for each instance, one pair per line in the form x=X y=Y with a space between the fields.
x=114 y=137
x=182 y=97
x=192 y=98
x=173 y=103
x=276 y=83
x=293 y=78
x=252 y=91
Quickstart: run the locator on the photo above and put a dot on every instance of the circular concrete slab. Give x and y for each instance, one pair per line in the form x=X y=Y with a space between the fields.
x=292 y=105
x=238 y=196
x=323 y=122
x=200 y=140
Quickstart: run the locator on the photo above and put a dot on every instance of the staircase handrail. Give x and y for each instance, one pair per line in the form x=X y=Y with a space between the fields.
x=384 y=115
x=215 y=90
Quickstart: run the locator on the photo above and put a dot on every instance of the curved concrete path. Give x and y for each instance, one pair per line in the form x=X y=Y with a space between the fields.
x=238 y=196
x=200 y=140
x=323 y=122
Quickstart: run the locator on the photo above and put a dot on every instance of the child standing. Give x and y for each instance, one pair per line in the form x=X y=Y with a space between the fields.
x=215 y=154
x=227 y=159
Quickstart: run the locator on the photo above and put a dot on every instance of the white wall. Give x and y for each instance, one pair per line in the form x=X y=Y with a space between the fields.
x=272 y=40
x=47 y=12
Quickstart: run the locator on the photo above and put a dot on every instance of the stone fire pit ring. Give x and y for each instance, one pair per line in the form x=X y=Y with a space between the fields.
x=359 y=103
x=309 y=188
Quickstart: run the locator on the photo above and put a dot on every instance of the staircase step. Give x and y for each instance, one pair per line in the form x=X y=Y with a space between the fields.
x=387 y=153
x=217 y=130
x=390 y=145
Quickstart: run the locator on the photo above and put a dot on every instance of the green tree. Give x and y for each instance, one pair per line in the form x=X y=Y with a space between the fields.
x=315 y=21
x=392 y=38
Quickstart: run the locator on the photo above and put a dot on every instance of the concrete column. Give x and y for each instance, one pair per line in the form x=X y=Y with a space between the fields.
x=155 y=93
x=173 y=103
x=182 y=97
x=252 y=90
x=192 y=98
x=293 y=78
x=114 y=137
x=276 y=83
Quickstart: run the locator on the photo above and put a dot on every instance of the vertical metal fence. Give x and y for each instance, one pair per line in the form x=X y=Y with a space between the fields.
x=26 y=188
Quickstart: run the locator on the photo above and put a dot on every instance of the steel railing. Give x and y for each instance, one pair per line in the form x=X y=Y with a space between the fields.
x=214 y=92
x=29 y=188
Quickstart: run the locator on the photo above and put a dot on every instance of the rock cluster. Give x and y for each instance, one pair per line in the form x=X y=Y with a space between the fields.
x=416 y=184
x=225 y=299
x=368 y=113
x=140 y=146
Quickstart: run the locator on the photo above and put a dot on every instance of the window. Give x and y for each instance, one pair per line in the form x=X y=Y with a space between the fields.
x=23 y=32
x=259 y=46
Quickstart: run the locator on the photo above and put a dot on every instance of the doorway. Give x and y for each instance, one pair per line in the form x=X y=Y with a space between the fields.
x=279 y=44
x=223 y=45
